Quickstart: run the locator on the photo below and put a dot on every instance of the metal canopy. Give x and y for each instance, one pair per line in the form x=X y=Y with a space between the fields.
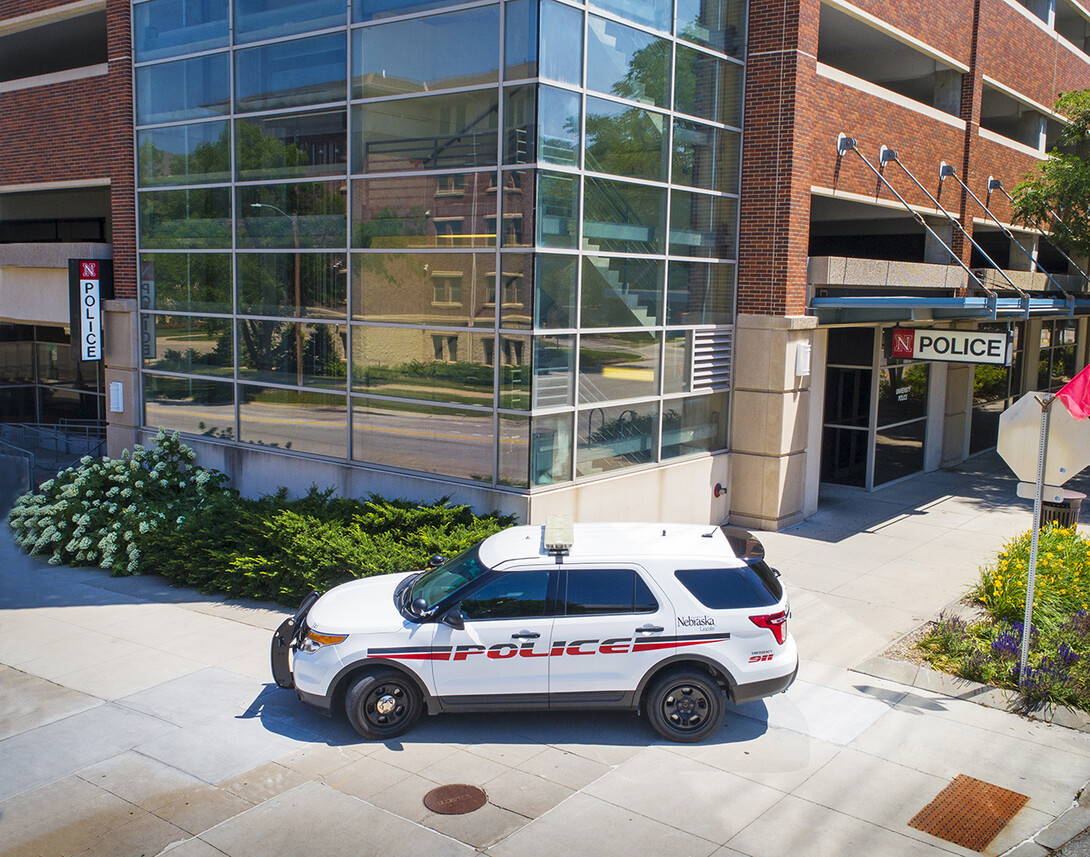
x=873 y=308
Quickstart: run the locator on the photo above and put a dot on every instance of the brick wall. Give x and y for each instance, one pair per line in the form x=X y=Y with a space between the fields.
x=793 y=116
x=79 y=131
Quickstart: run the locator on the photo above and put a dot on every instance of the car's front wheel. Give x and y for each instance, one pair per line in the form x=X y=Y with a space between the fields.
x=382 y=704
x=685 y=706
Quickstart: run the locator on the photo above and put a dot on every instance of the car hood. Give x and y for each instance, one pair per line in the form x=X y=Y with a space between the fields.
x=360 y=606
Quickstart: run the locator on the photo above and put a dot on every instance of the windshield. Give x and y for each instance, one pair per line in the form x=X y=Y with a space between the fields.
x=435 y=585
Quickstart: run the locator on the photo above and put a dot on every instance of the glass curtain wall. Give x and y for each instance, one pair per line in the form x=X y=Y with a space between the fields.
x=41 y=381
x=473 y=240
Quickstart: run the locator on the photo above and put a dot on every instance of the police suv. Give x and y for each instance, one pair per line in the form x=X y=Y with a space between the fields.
x=665 y=619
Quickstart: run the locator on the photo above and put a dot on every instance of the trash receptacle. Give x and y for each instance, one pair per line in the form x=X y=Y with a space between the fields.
x=1062 y=514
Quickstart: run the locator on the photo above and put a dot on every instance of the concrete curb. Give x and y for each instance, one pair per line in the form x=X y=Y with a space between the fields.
x=925 y=678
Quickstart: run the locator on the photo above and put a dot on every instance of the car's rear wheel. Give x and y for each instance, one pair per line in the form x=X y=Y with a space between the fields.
x=685 y=706
x=382 y=704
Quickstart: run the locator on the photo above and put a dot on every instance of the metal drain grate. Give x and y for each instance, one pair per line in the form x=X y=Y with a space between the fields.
x=456 y=799
x=969 y=812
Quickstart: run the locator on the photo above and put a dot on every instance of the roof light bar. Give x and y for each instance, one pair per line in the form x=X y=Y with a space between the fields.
x=559 y=534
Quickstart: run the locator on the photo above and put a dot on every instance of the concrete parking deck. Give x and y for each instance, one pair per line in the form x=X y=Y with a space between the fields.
x=137 y=719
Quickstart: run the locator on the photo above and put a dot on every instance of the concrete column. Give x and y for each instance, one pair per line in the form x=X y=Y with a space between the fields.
x=947 y=97
x=933 y=251
x=122 y=363
x=1032 y=351
x=955 y=412
x=1019 y=261
x=1032 y=130
x=770 y=421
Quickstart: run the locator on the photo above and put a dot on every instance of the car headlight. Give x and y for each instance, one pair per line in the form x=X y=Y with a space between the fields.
x=314 y=641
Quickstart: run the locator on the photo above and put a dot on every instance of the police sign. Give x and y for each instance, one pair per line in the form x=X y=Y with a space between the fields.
x=90 y=282
x=955 y=346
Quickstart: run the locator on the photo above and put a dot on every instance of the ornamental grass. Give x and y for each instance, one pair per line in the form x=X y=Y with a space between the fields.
x=988 y=650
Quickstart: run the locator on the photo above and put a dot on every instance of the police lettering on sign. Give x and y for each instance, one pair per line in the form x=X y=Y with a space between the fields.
x=952 y=346
x=90 y=282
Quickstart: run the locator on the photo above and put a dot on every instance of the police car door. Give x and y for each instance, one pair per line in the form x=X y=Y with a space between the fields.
x=501 y=656
x=613 y=624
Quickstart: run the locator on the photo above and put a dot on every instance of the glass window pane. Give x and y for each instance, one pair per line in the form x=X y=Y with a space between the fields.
x=197 y=218
x=847 y=397
x=57 y=366
x=694 y=425
x=170 y=28
x=702 y=225
x=627 y=63
x=851 y=346
x=650 y=13
x=554 y=371
x=191 y=344
x=558 y=41
x=448 y=441
x=304 y=285
x=431 y=365
x=557 y=209
x=512 y=291
x=708 y=87
x=600 y=590
x=294 y=146
x=288 y=216
x=618 y=366
x=621 y=292
x=625 y=140
x=623 y=218
x=185 y=282
x=287 y=74
x=189 y=89
x=186 y=154
x=299 y=420
x=287 y=352
x=454 y=49
x=190 y=405
x=844 y=456
x=678 y=362
x=372 y=10
x=902 y=393
x=561 y=43
x=898 y=451
x=434 y=132
x=615 y=438
x=256 y=20
x=515 y=378
x=451 y=210
x=514 y=455
x=550 y=449
x=717 y=24
x=700 y=293
x=450 y=289
x=57 y=405
x=547 y=131
x=17 y=354
x=554 y=291
x=705 y=156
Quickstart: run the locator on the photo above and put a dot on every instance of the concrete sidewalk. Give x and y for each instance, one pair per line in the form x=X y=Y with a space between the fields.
x=137 y=719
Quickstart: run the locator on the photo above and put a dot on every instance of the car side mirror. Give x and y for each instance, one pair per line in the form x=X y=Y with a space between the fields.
x=419 y=607
x=436 y=561
x=455 y=618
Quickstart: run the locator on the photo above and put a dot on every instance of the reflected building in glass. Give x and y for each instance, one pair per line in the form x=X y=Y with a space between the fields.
x=488 y=242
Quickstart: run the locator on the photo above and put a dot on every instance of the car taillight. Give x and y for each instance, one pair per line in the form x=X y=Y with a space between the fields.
x=775 y=622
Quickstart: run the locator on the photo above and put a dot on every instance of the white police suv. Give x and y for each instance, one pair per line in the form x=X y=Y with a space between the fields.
x=666 y=619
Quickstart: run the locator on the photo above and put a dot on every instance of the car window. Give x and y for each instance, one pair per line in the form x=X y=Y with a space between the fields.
x=435 y=585
x=727 y=588
x=607 y=590
x=511 y=595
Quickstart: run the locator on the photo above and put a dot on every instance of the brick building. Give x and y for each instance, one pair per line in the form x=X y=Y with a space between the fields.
x=532 y=253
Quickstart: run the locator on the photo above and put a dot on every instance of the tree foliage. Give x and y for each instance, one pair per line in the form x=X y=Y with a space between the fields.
x=1061 y=184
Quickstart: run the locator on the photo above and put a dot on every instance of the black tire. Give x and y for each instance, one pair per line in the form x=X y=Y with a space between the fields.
x=685 y=706
x=382 y=704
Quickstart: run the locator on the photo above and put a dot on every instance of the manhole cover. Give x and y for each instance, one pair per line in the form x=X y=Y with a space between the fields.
x=969 y=812
x=455 y=799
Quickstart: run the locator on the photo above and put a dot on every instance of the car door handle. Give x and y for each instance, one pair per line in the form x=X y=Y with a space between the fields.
x=650 y=629
x=525 y=635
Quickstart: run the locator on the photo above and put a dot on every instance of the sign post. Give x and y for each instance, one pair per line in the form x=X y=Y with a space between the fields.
x=1031 y=574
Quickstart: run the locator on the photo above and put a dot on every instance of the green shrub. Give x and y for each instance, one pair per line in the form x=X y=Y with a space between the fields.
x=156 y=511
x=97 y=512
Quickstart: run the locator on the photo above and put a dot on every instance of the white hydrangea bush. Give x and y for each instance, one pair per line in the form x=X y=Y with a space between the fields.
x=92 y=513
